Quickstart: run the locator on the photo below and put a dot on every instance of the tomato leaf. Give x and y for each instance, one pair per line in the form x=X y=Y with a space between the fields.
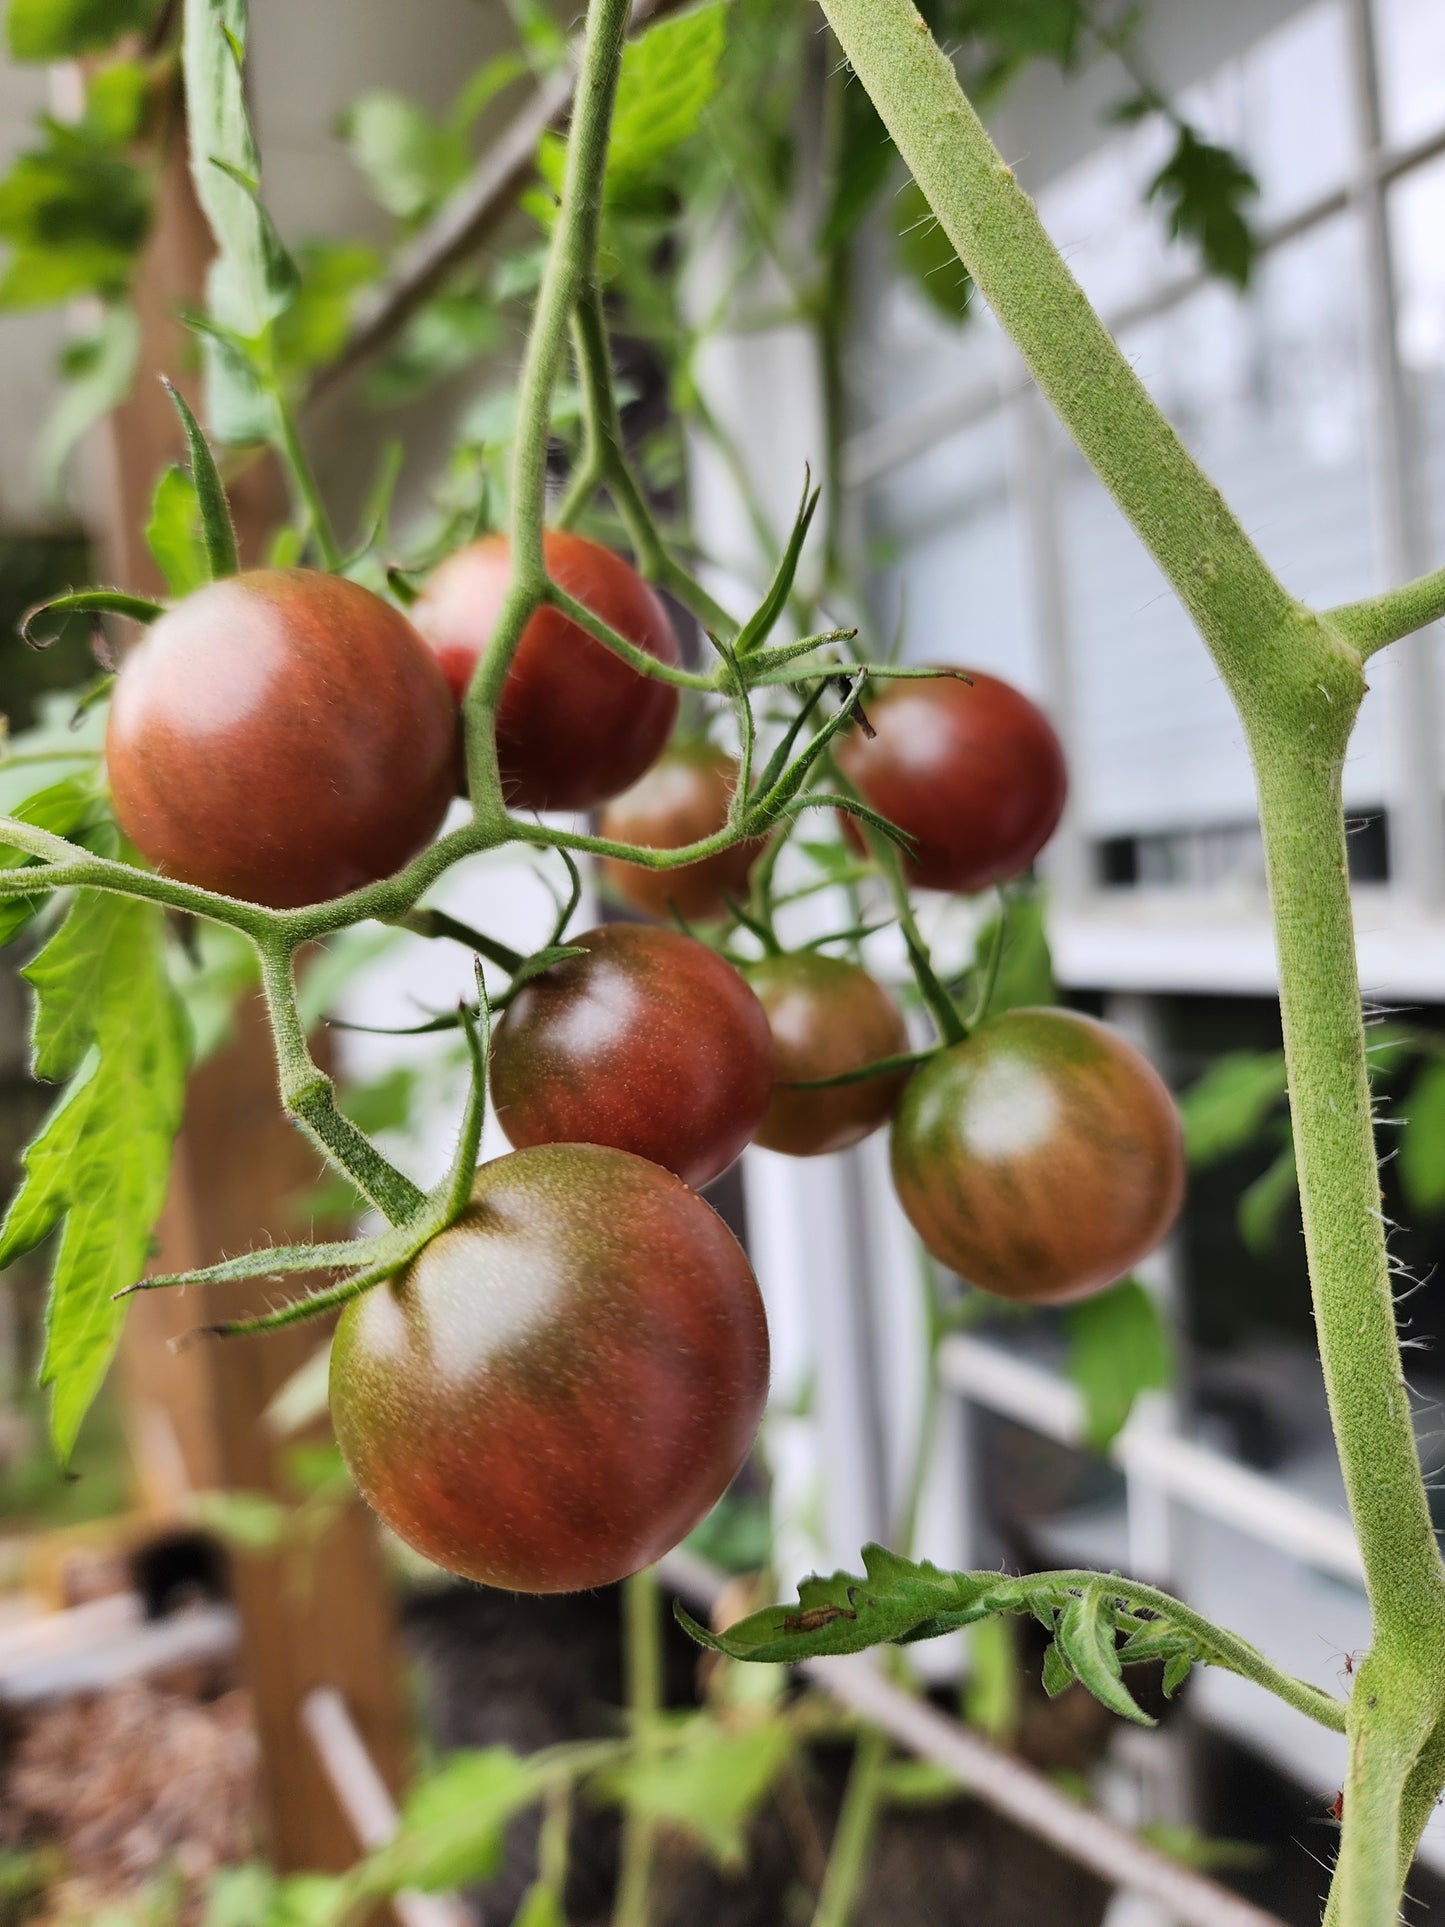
x=1261 y=1206
x=1422 y=1142
x=61 y=29
x=409 y=161
x=1058 y=1674
x=927 y=255
x=65 y=808
x=453 y=1826
x=173 y=534
x=1118 y=1347
x=866 y=157
x=1226 y=1108
x=98 y=372
x=1086 y=1639
x=1025 y=975
x=217 y=533
x=107 y=1020
x=709 y=1780
x=1205 y=189
x=669 y=76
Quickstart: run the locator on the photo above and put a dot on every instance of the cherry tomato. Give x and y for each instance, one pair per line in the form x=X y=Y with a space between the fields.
x=281 y=735
x=682 y=798
x=1041 y=1158
x=973 y=772
x=576 y=723
x=558 y=1388
x=827 y=1016
x=651 y=1042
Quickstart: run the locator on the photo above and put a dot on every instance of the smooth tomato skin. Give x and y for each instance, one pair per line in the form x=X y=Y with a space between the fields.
x=651 y=1043
x=1041 y=1158
x=973 y=772
x=827 y=1016
x=561 y=1385
x=281 y=735
x=576 y=724
x=681 y=799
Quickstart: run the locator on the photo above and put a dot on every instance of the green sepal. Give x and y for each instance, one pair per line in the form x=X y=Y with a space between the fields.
x=89 y=602
x=216 y=526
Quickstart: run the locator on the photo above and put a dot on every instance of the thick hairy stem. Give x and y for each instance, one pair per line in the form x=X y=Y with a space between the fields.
x=1383 y=619
x=569 y=265
x=310 y=1097
x=1390 y=1722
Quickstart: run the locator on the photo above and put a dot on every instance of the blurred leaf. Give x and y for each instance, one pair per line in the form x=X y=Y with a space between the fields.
x=173 y=534
x=454 y=1823
x=99 y=372
x=1265 y=1201
x=1018 y=30
x=540 y=1907
x=253 y=278
x=991 y=1690
x=61 y=29
x=1191 y=1848
x=709 y=1781
x=1422 y=1141
x=737 y=1535
x=541 y=37
x=74 y=213
x=1227 y=1108
x=107 y=1020
x=410 y=161
x=211 y=981
x=1118 y=1347
x=1025 y=976
x=926 y=255
x=1205 y=190
x=249 y=1521
x=918 y=1783
x=669 y=76
x=117 y=100
x=314 y=328
x=444 y=336
x=866 y=156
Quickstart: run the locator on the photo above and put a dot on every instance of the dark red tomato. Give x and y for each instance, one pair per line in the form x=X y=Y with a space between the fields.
x=973 y=772
x=651 y=1042
x=281 y=735
x=561 y=1385
x=1041 y=1158
x=827 y=1016
x=682 y=798
x=577 y=724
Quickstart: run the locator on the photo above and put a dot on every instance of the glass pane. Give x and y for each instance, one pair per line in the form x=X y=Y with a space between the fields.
x=1417 y=223
x=1411 y=36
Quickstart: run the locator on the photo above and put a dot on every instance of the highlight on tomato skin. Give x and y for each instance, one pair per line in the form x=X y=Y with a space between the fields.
x=281 y=735
x=651 y=1042
x=563 y=1384
x=683 y=798
x=1041 y=1158
x=827 y=1016
x=973 y=771
x=576 y=724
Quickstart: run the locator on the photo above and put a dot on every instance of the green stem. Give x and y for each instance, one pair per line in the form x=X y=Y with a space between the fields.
x=857 y=1820
x=1382 y=619
x=642 y=1625
x=304 y=486
x=310 y=1097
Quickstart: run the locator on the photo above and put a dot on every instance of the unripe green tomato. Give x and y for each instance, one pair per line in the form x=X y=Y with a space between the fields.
x=827 y=1016
x=1041 y=1158
x=559 y=1387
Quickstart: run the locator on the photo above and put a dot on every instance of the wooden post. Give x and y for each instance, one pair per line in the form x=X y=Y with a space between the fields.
x=197 y=1414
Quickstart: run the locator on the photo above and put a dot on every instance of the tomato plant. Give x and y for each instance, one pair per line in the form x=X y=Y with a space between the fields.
x=682 y=799
x=649 y=1041
x=828 y=1017
x=1041 y=1158
x=282 y=736
x=562 y=1383
x=576 y=724
x=973 y=771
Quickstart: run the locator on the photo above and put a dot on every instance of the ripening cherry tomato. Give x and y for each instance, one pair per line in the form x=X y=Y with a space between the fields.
x=576 y=724
x=826 y=1016
x=1041 y=1158
x=973 y=772
x=682 y=798
x=651 y=1042
x=281 y=735
x=559 y=1387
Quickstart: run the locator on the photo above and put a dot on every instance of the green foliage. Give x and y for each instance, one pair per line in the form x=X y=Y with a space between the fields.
x=445 y=335
x=313 y=330
x=60 y=29
x=706 y=1779
x=1206 y=190
x=453 y=1823
x=74 y=213
x=1118 y=1348
x=173 y=534
x=99 y=369
x=1263 y=1204
x=107 y=1021
x=410 y=161
x=927 y=256
x=1422 y=1143
x=1025 y=975
x=1226 y=1109
x=669 y=76
x=865 y=159
x=68 y=808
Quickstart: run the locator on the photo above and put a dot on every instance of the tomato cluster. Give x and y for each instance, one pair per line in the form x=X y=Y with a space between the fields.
x=287 y=736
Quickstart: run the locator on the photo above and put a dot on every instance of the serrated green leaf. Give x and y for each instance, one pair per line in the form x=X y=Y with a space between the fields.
x=1205 y=189
x=709 y=1781
x=1227 y=1108
x=1422 y=1141
x=257 y=279
x=1086 y=1639
x=669 y=76
x=61 y=29
x=1263 y=1203
x=927 y=255
x=1118 y=1348
x=1058 y=1674
x=65 y=809
x=108 y=1019
x=173 y=533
